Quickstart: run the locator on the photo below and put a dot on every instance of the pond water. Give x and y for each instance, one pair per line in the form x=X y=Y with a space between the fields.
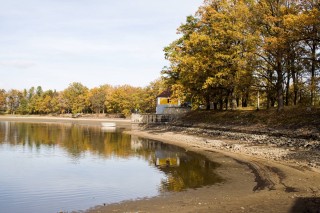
x=66 y=167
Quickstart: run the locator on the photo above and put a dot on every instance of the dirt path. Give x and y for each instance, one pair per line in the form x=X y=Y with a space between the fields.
x=253 y=184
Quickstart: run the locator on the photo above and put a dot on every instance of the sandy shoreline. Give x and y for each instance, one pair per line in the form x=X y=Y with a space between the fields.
x=252 y=184
x=51 y=119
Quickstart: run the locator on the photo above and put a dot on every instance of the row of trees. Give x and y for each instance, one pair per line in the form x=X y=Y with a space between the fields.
x=233 y=49
x=77 y=98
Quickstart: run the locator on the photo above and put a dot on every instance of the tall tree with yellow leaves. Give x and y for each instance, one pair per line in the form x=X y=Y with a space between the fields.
x=213 y=60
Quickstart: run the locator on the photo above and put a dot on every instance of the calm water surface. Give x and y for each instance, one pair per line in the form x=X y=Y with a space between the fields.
x=65 y=167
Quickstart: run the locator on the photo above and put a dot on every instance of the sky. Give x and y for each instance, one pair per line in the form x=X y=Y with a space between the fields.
x=52 y=43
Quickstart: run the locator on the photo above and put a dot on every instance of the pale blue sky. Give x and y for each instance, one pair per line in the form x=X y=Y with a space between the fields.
x=53 y=43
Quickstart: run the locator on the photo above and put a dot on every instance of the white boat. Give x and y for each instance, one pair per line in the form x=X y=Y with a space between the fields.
x=108 y=124
x=108 y=129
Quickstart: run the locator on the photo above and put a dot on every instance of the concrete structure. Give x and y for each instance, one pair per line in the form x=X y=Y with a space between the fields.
x=151 y=118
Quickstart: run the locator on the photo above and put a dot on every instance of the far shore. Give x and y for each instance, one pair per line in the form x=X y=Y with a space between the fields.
x=93 y=120
x=254 y=183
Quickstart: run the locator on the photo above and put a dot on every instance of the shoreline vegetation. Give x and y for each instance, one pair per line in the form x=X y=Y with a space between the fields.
x=264 y=172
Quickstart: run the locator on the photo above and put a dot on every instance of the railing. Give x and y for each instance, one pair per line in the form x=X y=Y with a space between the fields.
x=152 y=118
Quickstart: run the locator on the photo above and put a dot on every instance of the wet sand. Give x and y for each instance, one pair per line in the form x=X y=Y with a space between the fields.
x=251 y=184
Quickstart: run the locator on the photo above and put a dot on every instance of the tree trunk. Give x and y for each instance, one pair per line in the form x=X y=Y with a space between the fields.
x=313 y=69
x=227 y=100
x=215 y=106
x=258 y=100
x=279 y=85
x=280 y=95
x=288 y=88
x=207 y=102
x=269 y=90
x=220 y=104
x=233 y=104
x=244 y=102
x=295 y=85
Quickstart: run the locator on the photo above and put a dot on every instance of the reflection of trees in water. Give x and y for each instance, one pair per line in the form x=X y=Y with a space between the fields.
x=75 y=139
x=183 y=169
x=193 y=172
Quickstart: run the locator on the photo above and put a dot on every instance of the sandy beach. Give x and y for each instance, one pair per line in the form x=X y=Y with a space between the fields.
x=252 y=182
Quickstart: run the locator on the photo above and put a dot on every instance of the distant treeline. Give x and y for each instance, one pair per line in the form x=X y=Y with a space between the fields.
x=230 y=52
x=77 y=98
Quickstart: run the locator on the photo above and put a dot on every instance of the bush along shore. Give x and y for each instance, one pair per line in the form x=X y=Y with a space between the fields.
x=292 y=136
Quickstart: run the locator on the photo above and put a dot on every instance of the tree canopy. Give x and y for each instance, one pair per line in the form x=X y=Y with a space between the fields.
x=229 y=50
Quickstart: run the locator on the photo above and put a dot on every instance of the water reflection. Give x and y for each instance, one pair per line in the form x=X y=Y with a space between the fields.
x=183 y=169
x=75 y=139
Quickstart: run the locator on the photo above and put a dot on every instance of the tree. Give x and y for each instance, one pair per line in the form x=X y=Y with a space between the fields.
x=3 y=97
x=61 y=103
x=13 y=100
x=39 y=91
x=149 y=95
x=23 y=106
x=232 y=47
x=213 y=57
x=124 y=99
x=305 y=30
x=97 y=98
x=76 y=98
x=47 y=102
x=269 y=17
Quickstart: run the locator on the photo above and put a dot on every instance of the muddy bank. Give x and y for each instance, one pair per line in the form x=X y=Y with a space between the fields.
x=254 y=182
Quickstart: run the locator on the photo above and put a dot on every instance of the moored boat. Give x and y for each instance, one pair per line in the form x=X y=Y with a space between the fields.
x=108 y=124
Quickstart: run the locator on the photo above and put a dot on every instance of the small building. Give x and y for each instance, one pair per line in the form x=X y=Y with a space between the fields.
x=167 y=109
x=164 y=101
